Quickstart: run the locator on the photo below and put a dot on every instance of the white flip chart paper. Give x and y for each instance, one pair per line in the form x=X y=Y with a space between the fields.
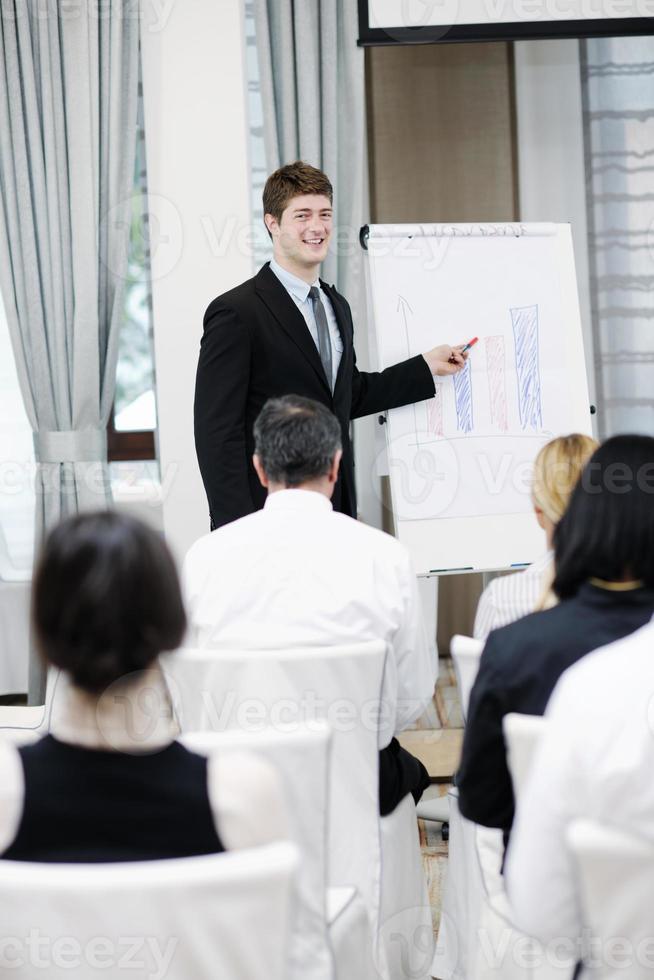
x=461 y=463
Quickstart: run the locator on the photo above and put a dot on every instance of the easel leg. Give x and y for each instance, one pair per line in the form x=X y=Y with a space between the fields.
x=428 y=588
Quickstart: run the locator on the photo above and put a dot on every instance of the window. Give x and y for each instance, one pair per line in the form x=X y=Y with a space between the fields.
x=619 y=125
x=134 y=419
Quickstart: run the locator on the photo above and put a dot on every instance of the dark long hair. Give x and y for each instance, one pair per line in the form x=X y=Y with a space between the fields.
x=607 y=531
x=106 y=598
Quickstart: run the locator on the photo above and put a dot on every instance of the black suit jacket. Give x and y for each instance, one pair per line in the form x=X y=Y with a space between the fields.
x=256 y=345
x=519 y=668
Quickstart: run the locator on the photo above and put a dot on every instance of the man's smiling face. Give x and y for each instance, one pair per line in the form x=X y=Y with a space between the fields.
x=302 y=236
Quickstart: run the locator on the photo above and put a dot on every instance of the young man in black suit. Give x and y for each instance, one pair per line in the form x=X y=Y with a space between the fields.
x=287 y=332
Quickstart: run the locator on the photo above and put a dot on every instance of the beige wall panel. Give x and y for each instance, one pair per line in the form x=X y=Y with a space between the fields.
x=441 y=133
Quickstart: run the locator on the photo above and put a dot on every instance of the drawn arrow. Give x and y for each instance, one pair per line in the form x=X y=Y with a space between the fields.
x=404 y=308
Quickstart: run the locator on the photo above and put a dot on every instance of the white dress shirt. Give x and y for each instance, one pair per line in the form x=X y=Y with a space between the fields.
x=298 y=290
x=245 y=793
x=299 y=574
x=595 y=762
x=510 y=597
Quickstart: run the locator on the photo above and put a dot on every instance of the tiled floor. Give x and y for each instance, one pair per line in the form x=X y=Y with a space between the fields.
x=436 y=739
x=434 y=857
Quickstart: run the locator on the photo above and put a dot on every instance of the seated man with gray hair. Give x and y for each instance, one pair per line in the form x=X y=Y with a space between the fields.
x=298 y=574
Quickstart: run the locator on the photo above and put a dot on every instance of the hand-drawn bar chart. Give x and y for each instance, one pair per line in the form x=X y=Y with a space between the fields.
x=525 y=335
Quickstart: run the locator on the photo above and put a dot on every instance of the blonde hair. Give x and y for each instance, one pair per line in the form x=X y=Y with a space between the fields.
x=557 y=470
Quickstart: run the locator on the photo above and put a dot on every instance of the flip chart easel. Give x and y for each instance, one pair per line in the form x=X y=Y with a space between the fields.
x=461 y=463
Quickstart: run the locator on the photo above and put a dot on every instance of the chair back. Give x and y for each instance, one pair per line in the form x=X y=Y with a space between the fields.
x=616 y=884
x=14 y=632
x=221 y=690
x=305 y=752
x=406 y=927
x=221 y=915
x=21 y=724
x=522 y=733
x=466 y=653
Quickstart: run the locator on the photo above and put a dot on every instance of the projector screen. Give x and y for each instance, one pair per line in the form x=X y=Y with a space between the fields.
x=441 y=21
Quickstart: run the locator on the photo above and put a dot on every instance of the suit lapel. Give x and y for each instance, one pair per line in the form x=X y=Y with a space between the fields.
x=283 y=308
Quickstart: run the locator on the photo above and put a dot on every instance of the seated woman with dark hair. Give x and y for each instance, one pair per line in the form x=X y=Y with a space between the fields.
x=604 y=560
x=109 y=783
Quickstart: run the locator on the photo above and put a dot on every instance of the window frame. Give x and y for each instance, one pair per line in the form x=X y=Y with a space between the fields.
x=137 y=444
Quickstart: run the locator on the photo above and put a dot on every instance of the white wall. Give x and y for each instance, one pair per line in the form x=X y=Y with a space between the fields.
x=552 y=184
x=194 y=91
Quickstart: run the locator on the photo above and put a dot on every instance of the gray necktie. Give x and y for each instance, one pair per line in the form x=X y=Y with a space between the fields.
x=324 y=340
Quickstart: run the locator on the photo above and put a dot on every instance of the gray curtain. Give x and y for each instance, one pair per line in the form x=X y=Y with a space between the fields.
x=313 y=92
x=68 y=99
x=618 y=88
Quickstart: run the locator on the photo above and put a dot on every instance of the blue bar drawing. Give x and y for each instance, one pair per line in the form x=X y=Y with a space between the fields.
x=463 y=399
x=525 y=335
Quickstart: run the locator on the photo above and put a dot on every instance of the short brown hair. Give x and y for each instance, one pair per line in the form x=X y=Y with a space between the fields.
x=290 y=181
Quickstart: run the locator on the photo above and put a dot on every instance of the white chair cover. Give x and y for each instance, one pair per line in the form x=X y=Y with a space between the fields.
x=407 y=931
x=305 y=751
x=349 y=935
x=463 y=896
x=616 y=885
x=22 y=724
x=14 y=631
x=466 y=654
x=476 y=938
x=342 y=685
x=224 y=915
x=522 y=734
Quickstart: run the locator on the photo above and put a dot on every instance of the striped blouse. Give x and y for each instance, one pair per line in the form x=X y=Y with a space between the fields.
x=511 y=597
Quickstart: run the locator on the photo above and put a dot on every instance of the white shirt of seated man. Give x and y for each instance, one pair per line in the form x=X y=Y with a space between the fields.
x=298 y=574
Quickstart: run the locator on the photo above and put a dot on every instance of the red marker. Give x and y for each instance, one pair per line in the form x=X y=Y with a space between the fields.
x=471 y=343
x=465 y=348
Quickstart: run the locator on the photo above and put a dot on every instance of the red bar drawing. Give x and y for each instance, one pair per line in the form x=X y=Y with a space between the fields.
x=435 y=414
x=496 y=370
